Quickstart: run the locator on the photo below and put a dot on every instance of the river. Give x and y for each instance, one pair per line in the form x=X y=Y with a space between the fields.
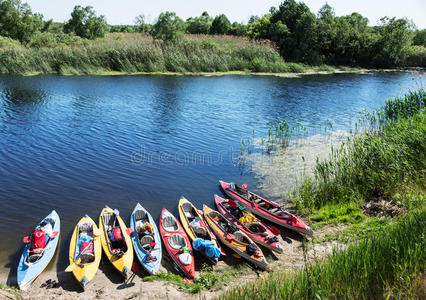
x=77 y=143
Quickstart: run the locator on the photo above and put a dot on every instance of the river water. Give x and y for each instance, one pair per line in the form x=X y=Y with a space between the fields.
x=77 y=143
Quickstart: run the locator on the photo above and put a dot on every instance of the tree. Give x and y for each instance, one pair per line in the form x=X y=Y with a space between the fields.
x=298 y=43
x=394 y=43
x=199 y=25
x=220 y=25
x=258 y=28
x=85 y=23
x=17 y=21
x=168 y=27
x=142 y=25
x=420 y=38
x=238 y=29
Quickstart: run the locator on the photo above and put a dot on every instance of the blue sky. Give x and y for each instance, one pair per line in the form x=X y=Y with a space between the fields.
x=125 y=11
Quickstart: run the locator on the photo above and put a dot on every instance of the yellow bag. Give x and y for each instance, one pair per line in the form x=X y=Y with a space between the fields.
x=247 y=218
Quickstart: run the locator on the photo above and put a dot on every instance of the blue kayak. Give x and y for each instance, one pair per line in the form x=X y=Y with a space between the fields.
x=146 y=239
x=31 y=266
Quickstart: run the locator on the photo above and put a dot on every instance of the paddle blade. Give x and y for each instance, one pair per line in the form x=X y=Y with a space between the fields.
x=70 y=268
x=244 y=186
x=54 y=234
x=129 y=231
x=274 y=230
x=26 y=239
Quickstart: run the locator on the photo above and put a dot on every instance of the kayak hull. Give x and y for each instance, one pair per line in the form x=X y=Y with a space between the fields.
x=292 y=223
x=84 y=273
x=152 y=266
x=124 y=262
x=26 y=274
x=166 y=234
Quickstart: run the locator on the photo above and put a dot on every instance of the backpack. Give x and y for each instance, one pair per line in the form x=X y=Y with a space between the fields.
x=38 y=240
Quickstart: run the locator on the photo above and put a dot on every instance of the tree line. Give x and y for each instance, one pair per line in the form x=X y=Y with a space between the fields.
x=299 y=34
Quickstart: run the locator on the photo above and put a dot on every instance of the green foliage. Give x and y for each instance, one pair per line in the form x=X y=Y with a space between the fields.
x=416 y=57
x=17 y=21
x=375 y=164
x=259 y=28
x=168 y=27
x=220 y=25
x=11 y=290
x=394 y=42
x=389 y=263
x=199 y=25
x=85 y=23
x=420 y=38
x=141 y=24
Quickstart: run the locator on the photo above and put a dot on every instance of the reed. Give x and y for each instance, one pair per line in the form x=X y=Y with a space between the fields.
x=133 y=53
x=378 y=163
x=388 y=264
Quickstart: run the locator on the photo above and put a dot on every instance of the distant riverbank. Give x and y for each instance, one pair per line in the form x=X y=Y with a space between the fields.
x=136 y=54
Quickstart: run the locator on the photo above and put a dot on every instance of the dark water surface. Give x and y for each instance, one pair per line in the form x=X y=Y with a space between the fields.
x=76 y=143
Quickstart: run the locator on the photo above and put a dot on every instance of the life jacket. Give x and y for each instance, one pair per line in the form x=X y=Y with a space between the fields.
x=148 y=226
x=38 y=240
x=116 y=232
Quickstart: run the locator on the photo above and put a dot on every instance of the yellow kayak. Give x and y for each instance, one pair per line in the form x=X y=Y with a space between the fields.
x=188 y=214
x=85 y=250
x=235 y=239
x=116 y=241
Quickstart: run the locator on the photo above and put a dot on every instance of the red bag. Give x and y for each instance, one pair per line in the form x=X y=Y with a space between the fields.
x=117 y=233
x=38 y=239
x=87 y=247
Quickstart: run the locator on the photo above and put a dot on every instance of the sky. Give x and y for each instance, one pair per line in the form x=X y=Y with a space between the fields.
x=125 y=11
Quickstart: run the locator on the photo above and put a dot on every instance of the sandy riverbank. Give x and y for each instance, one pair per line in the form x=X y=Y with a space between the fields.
x=108 y=284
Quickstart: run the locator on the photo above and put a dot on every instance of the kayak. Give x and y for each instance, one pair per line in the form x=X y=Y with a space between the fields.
x=177 y=243
x=234 y=238
x=146 y=239
x=248 y=224
x=118 y=250
x=195 y=227
x=85 y=250
x=266 y=209
x=31 y=264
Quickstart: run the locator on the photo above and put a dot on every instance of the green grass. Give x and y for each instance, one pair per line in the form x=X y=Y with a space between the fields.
x=385 y=264
x=347 y=213
x=378 y=163
x=208 y=279
x=134 y=53
x=11 y=290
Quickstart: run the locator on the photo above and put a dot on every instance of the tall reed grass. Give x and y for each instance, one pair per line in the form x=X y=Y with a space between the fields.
x=138 y=53
x=376 y=163
x=386 y=265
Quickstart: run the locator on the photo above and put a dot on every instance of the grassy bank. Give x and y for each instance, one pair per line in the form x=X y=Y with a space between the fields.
x=387 y=160
x=390 y=264
x=135 y=53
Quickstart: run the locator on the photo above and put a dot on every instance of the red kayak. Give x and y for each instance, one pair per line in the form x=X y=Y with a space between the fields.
x=177 y=243
x=266 y=209
x=247 y=223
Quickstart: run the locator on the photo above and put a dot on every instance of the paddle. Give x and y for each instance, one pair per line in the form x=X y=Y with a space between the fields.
x=274 y=230
x=77 y=260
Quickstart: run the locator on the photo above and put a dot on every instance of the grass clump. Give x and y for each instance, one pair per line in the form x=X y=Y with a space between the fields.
x=348 y=213
x=376 y=164
x=385 y=264
x=206 y=280
x=11 y=290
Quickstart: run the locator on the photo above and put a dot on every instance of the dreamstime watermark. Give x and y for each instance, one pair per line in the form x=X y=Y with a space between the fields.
x=184 y=158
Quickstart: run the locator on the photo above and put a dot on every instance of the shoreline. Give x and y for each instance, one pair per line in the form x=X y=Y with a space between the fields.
x=228 y=73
